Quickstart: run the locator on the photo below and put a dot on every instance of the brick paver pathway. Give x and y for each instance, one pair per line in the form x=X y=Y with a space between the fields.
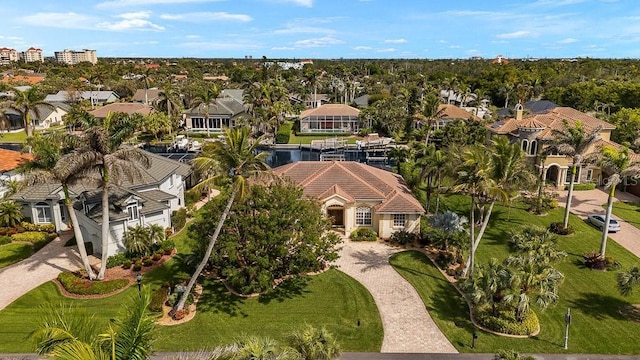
x=45 y=265
x=408 y=328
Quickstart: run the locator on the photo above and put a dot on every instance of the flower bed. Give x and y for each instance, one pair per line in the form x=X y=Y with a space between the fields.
x=77 y=285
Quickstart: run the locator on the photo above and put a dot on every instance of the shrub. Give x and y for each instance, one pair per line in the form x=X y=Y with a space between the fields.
x=444 y=259
x=76 y=285
x=191 y=197
x=404 y=237
x=4 y=239
x=50 y=228
x=558 y=228
x=173 y=299
x=283 y=134
x=167 y=246
x=156 y=256
x=116 y=260
x=27 y=226
x=126 y=264
x=586 y=186
x=147 y=262
x=363 y=234
x=593 y=260
x=30 y=236
x=506 y=321
x=158 y=299
x=179 y=218
x=549 y=202
x=137 y=266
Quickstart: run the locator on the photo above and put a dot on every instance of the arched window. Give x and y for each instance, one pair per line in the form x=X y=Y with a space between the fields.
x=525 y=145
x=533 y=147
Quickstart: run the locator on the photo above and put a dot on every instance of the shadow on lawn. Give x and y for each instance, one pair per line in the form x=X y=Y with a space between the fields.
x=599 y=306
x=371 y=259
x=217 y=298
x=288 y=289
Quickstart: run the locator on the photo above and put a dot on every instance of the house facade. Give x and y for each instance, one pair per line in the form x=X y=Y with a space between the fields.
x=148 y=200
x=223 y=113
x=535 y=131
x=356 y=195
x=9 y=162
x=330 y=118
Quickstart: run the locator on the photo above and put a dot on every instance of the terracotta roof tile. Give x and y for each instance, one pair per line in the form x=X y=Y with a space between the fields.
x=9 y=159
x=128 y=108
x=331 y=109
x=451 y=111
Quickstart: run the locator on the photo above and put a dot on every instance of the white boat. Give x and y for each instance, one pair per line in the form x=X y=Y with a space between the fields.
x=181 y=143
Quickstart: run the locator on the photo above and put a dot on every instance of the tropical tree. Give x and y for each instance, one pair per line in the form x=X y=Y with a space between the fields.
x=434 y=164
x=574 y=141
x=29 y=102
x=234 y=159
x=619 y=165
x=10 y=213
x=169 y=100
x=157 y=124
x=137 y=240
x=48 y=167
x=488 y=285
x=314 y=344
x=66 y=335
x=627 y=280
x=428 y=114
x=105 y=159
x=204 y=97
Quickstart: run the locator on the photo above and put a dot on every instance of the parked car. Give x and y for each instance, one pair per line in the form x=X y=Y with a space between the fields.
x=598 y=221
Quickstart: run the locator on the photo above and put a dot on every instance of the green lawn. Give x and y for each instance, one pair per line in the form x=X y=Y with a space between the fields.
x=332 y=299
x=13 y=252
x=597 y=325
x=13 y=137
x=629 y=212
x=305 y=140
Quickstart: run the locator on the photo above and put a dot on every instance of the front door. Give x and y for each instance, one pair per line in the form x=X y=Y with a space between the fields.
x=336 y=216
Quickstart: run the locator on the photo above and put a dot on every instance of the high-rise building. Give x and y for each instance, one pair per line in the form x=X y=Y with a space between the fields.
x=8 y=55
x=32 y=55
x=73 y=57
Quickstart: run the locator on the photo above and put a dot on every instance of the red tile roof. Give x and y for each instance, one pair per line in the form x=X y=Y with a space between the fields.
x=450 y=111
x=331 y=110
x=9 y=159
x=128 y=108
x=354 y=182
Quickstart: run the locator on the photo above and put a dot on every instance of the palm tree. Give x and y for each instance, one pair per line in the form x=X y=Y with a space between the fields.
x=204 y=97
x=10 y=213
x=67 y=336
x=434 y=164
x=105 y=159
x=429 y=113
x=47 y=167
x=137 y=240
x=488 y=284
x=28 y=102
x=573 y=141
x=627 y=280
x=617 y=163
x=235 y=159
x=314 y=344
x=169 y=99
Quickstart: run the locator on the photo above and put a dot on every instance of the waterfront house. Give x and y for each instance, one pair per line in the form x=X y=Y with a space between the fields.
x=127 y=108
x=225 y=112
x=330 y=118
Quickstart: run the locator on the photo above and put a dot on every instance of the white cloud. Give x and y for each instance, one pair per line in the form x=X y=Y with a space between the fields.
x=387 y=50
x=193 y=36
x=68 y=20
x=132 y=21
x=395 y=41
x=140 y=3
x=360 y=48
x=135 y=21
x=282 y=48
x=135 y=15
x=306 y=3
x=318 y=42
x=567 y=41
x=514 y=35
x=207 y=16
x=304 y=30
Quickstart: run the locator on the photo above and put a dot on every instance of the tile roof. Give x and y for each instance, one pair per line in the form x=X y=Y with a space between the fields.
x=552 y=120
x=152 y=95
x=10 y=159
x=228 y=106
x=352 y=180
x=450 y=111
x=634 y=157
x=128 y=108
x=331 y=110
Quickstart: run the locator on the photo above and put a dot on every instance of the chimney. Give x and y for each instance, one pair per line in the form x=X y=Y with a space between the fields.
x=519 y=112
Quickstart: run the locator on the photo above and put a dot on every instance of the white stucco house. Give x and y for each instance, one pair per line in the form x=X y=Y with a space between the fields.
x=149 y=200
x=355 y=195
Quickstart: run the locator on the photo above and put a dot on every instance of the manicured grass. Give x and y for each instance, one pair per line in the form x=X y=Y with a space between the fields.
x=629 y=212
x=13 y=137
x=597 y=326
x=332 y=299
x=305 y=140
x=13 y=252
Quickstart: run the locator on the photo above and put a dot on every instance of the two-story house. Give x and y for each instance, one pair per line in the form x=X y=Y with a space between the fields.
x=224 y=112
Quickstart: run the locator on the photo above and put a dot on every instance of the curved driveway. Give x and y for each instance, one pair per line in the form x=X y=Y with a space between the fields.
x=407 y=326
x=589 y=202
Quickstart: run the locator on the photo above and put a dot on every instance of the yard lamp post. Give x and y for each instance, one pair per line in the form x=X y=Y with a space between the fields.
x=474 y=337
x=139 y=280
x=567 y=321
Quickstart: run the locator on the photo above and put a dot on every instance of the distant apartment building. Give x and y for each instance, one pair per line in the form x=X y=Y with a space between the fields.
x=8 y=55
x=74 y=57
x=32 y=55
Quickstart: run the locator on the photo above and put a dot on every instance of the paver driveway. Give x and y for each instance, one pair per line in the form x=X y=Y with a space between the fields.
x=589 y=202
x=408 y=328
x=45 y=265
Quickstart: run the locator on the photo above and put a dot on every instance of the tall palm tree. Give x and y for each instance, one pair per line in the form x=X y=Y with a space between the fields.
x=169 y=99
x=574 y=141
x=47 y=167
x=235 y=159
x=434 y=165
x=28 y=102
x=204 y=97
x=429 y=112
x=105 y=159
x=65 y=335
x=618 y=164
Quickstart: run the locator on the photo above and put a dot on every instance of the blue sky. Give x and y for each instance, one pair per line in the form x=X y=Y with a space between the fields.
x=326 y=28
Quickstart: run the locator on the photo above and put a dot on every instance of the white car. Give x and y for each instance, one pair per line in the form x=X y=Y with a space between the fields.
x=598 y=221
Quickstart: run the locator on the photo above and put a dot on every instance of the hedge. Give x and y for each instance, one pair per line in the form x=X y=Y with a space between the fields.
x=506 y=322
x=587 y=186
x=178 y=219
x=48 y=228
x=283 y=134
x=363 y=234
x=158 y=299
x=76 y=285
x=330 y=134
x=30 y=236
x=5 y=239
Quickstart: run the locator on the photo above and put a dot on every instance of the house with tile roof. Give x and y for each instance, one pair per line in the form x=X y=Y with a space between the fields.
x=43 y=118
x=148 y=200
x=534 y=131
x=225 y=112
x=356 y=195
x=330 y=118
x=95 y=97
x=127 y=108
x=9 y=162
x=146 y=96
